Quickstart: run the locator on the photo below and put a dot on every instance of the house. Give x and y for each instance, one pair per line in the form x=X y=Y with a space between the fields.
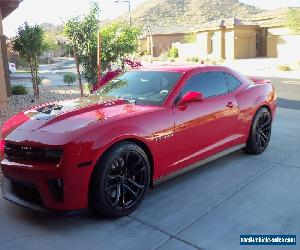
x=6 y=7
x=263 y=35
x=281 y=41
x=157 y=40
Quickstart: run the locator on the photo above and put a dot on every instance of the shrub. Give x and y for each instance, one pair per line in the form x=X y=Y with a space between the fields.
x=144 y=53
x=19 y=90
x=173 y=53
x=69 y=78
x=195 y=59
x=284 y=68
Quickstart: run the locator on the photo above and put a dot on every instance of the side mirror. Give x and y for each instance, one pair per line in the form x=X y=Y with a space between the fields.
x=190 y=97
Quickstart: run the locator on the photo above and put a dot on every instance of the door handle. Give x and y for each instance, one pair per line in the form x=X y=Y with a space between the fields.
x=230 y=104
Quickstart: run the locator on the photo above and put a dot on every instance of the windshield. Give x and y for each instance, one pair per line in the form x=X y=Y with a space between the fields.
x=141 y=87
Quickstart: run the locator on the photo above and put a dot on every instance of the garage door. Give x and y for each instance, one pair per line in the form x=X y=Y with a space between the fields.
x=244 y=47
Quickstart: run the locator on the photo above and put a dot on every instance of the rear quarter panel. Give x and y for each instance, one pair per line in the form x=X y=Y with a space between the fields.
x=250 y=99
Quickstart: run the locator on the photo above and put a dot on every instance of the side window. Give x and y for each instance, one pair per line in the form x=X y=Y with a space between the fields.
x=210 y=84
x=232 y=82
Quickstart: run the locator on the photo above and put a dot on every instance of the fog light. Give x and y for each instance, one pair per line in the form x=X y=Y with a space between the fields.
x=56 y=187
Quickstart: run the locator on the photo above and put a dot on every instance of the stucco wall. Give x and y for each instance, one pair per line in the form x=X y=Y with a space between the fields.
x=216 y=50
x=186 y=50
x=163 y=43
x=229 y=44
x=282 y=43
x=202 y=39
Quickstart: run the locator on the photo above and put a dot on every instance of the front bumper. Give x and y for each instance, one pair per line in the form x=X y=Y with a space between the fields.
x=10 y=195
x=29 y=186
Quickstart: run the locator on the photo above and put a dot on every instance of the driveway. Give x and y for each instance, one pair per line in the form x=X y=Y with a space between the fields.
x=207 y=208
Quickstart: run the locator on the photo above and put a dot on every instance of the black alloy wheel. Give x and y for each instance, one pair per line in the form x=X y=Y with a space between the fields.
x=120 y=180
x=260 y=132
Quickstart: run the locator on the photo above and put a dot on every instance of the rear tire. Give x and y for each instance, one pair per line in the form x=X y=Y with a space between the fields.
x=120 y=180
x=260 y=132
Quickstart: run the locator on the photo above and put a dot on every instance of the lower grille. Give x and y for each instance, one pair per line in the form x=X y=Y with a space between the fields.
x=27 y=192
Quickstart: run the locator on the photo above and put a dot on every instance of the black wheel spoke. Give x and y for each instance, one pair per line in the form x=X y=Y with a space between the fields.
x=263 y=129
x=266 y=124
x=126 y=180
x=135 y=184
x=113 y=177
x=131 y=191
x=112 y=186
x=118 y=195
x=263 y=136
x=259 y=141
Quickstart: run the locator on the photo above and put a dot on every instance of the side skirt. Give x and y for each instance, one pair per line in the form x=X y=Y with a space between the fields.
x=198 y=164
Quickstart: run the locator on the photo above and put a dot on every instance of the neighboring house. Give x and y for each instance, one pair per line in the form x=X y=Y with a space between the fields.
x=6 y=7
x=157 y=40
x=263 y=35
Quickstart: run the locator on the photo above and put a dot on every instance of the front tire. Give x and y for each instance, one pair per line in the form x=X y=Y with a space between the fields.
x=260 y=132
x=120 y=180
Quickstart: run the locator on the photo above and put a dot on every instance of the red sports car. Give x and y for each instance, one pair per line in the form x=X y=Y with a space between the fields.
x=141 y=128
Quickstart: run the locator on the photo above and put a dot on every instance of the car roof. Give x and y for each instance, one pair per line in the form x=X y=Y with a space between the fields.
x=178 y=68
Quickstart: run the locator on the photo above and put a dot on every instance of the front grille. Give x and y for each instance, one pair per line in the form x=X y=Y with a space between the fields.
x=19 y=153
x=27 y=192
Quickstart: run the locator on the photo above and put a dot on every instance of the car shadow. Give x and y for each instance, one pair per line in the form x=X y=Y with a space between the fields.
x=289 y=104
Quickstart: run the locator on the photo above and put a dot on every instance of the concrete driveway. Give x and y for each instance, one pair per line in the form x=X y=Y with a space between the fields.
x=207 y=208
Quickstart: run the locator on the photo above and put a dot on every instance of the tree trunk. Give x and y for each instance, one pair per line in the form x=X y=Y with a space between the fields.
x=36 y=78
x=78 y=70
x=33 y=78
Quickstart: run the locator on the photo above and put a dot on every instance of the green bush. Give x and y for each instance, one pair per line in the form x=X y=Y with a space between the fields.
x=173 y=53
x=19 y=90
x=195 y=59
x=69 y=78
x=284 y=68
x=144 y=53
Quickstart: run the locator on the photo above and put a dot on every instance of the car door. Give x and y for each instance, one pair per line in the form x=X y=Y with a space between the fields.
x=207 y=127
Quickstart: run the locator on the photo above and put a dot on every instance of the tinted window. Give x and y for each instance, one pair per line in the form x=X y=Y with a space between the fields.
x=142 y=87
x=210 y=84
x=232 y=82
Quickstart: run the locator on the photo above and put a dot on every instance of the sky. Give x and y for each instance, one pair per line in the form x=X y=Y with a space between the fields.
x=58 y=11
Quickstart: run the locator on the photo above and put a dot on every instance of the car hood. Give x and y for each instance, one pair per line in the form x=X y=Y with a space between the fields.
x=70 y=115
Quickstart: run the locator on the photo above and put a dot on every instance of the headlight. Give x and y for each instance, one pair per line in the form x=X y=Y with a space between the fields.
x=24 y=153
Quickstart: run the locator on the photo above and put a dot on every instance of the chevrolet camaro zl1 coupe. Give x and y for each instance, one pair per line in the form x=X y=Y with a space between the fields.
x=146 y=125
